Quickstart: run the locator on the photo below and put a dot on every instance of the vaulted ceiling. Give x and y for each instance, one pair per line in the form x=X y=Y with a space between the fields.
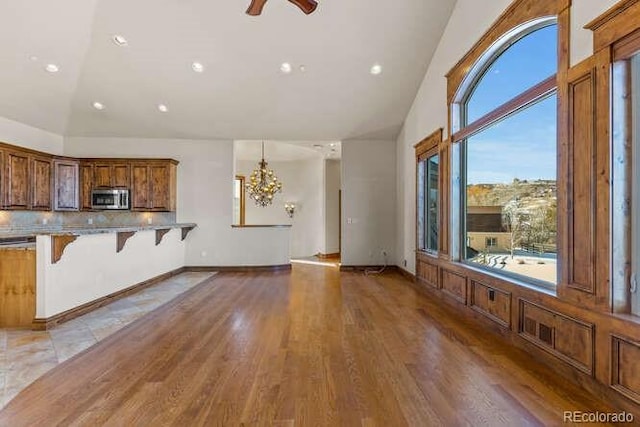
x=242 y=94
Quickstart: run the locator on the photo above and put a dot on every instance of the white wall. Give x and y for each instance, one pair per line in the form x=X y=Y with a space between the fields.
x=205 y=195
x=302 y=183
x=469 y=21
x=331 y=206
x=16 y=133
x=90 y=268
x=368 y=201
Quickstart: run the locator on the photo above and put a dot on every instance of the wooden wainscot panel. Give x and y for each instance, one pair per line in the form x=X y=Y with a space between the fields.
x=569 y=339
x=428 y=273
x=491 y=302
x=586 y=280
x=625 y=367
x=454 y=285
x=582 y=152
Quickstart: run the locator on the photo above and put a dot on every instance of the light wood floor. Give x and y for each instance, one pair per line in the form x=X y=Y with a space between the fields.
x=311 y=347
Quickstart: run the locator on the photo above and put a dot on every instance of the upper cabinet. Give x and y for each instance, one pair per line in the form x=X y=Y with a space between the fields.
x=153 y=185
x=27 y=181
x=41 y=183
x=30 y=180
x=15 y=192
x=66 y=185
x=111 y=174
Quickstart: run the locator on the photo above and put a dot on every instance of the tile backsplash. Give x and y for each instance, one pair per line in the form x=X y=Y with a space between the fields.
x=32 y=219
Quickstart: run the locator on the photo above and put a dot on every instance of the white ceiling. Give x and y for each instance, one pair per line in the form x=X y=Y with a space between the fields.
x=242 y=93
x=285 y=151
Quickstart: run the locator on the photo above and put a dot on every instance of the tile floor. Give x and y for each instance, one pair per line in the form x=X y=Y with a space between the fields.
x=27 y=355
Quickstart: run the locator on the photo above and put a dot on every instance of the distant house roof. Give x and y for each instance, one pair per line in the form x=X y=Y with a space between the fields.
x=484 y=219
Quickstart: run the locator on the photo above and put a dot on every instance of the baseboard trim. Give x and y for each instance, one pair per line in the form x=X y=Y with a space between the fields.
x=326 y=256
x=365 y=267
x=42 y=324
x=407 y=275
x=241 y=268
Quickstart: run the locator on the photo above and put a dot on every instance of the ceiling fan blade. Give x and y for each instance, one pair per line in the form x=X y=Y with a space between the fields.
x=256 y=6
x=307 y=6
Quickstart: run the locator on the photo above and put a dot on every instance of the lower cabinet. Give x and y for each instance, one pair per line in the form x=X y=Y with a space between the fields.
x=17 y=287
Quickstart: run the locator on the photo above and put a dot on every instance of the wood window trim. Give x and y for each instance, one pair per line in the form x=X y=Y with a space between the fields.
x=518 y=13
x=614 y=24
x=428 y=147
x=242 y=207
x=520 y=16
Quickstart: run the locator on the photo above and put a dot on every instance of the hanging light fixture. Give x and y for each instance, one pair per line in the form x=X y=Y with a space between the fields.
x=263 y=183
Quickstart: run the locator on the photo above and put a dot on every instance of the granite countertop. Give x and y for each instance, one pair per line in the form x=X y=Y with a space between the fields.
x=82 y=230
x=19 y=247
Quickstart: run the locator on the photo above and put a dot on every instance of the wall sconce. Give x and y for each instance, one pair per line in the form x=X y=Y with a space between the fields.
x=290 y=208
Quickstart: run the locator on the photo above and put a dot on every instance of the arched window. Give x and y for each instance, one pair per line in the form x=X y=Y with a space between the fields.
x=506 y=140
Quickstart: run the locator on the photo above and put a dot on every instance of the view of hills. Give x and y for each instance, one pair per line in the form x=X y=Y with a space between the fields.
x=530 y=194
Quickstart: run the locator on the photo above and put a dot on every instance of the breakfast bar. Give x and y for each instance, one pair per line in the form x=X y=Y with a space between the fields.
x=51 y=274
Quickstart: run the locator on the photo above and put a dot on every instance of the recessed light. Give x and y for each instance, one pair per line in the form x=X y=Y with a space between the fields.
x=197 y=67
x=303 y=68
x=333 y=144
x=98 y=105
x=120 y=40
x=286 y=67
x=376 y=69
x=33 y=58
x=163 y=108
x=52 y=68
x=317 y=146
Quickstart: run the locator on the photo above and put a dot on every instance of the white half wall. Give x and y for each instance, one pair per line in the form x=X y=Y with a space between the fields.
x=302 y=183
x=90 y=268
x=26 y=136
x=469 y=21
x=368 y=202
x=205 y=197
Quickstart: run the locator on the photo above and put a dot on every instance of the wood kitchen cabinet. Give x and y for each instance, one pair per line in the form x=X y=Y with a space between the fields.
x=66 y=185
x=32 y=180
x=26 y=181
x=153 y=185
x=16 y=194
x=17 y=287
x=41 y=183
x=112 y=174
x=86 y=185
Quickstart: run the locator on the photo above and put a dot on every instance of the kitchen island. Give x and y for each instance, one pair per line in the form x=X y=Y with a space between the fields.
x=72 y=270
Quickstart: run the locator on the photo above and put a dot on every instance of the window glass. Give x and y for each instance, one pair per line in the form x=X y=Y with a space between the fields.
x=511 y=206
x=428 y=174
x=432 y=203
x=527 y=62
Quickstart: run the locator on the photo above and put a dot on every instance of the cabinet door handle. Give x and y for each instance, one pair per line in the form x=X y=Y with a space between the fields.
x=634 y=283
x=492 y=295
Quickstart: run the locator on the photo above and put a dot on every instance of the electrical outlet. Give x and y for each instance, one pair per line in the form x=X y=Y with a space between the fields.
x=203 y=254
x=90 y=221
x=44 y=221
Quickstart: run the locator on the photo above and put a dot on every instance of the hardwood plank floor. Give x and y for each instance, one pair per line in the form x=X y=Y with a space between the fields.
x=308 y=347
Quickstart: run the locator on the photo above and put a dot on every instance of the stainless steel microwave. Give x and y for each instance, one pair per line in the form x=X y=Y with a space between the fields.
x=110 y=198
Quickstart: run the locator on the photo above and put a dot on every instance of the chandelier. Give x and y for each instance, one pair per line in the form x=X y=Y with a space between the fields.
x=263 y=183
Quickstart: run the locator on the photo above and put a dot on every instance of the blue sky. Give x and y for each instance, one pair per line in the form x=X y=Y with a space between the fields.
x=521 y=146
